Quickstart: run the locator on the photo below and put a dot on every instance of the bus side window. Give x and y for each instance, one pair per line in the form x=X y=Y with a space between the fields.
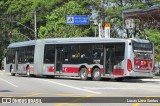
x=97 y=52
x=66 y=54
x=119 y=53
x=75 y=51
x=49 y=54
x=75 y=54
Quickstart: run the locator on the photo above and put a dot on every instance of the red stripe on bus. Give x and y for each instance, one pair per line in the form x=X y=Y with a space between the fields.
x=24 y=68
x=31 y=68
x=70 y=70
x=101 y=70
x=51 y=69
x=118 y=72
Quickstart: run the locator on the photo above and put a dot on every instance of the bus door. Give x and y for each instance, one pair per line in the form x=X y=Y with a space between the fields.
x=16 y=61
x=108 y=59
x=58 y=59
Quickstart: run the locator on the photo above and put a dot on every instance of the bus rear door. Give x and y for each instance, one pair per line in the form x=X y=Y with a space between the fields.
x=108 y=59
x=58 y=60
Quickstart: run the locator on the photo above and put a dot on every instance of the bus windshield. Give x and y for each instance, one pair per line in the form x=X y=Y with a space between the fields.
x=142 y=47
x=145 y=56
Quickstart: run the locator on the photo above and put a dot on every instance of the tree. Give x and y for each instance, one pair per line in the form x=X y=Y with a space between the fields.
x=56 y=22
x=51 y=17
x=153 y=35
x=114 y=10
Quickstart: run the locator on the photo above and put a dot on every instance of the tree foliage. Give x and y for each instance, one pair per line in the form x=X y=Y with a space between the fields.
x=154 y=36
x=18 y=18
x=56 y=22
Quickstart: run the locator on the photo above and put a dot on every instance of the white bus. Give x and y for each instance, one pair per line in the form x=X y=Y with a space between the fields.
x=87 y=57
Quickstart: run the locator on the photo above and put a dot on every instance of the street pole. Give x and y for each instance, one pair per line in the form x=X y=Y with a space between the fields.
x=95 y=31
x=102 y=20
x=35 y=25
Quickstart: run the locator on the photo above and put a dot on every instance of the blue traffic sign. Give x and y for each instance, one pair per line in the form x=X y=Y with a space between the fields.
x=77 y=20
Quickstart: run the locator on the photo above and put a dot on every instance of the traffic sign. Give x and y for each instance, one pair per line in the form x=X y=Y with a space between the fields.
x=104 y=30
x=77 y=19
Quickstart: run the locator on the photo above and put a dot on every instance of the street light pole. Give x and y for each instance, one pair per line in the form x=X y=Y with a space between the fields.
x=102 y=20
x=35 y=25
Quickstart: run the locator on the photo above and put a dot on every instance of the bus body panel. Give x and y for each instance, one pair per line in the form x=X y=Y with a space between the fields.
x=58 y=56
x=38 y=57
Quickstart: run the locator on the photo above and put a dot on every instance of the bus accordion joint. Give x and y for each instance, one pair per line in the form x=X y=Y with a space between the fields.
x=129 y=65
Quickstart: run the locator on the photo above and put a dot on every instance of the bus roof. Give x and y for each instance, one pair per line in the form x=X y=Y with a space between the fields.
x=82 y=40
x=70 y=41
x=20 y=44
x=67 y=41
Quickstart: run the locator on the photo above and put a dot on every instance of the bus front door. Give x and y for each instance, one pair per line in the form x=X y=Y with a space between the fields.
x=108 y=59
x=58 y=60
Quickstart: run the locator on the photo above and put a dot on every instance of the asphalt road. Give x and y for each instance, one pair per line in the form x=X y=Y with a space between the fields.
x=64 y=87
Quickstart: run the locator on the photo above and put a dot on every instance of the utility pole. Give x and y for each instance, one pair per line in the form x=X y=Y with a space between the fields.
x=102 y=20
x=35 y=24
x=102 y=13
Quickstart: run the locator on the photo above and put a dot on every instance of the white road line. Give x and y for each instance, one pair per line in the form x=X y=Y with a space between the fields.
x=71 y=86
x=9 y=83
x=104 y=88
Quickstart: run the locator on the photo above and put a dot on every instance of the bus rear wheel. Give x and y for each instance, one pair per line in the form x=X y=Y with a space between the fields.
x=83 y=74
x=96 y=75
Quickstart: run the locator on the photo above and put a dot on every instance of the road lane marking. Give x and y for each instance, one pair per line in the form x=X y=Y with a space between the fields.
x=9 y=83
x=70 y=86
x=103 y=88
x=32 y=94
x=136 y=104
x=73 y=101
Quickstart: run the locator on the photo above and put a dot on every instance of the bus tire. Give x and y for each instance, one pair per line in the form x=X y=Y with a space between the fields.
x=28 y=72
x=83 y=74
x=119 y=79
x=96 y=75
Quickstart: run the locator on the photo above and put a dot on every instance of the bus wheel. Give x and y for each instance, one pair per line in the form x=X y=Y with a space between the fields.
x=119 y=79
x=11 y=71
x=96 y=76
x=83 y=74
x=28 y=72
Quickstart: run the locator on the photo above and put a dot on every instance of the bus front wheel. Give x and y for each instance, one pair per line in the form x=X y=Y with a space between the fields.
x=83 y=74
x=96 y=75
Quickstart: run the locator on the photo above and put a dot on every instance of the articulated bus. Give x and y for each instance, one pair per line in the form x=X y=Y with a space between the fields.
x=87 y=58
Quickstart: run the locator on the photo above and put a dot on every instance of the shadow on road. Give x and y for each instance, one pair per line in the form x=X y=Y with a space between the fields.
x=5 y=91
